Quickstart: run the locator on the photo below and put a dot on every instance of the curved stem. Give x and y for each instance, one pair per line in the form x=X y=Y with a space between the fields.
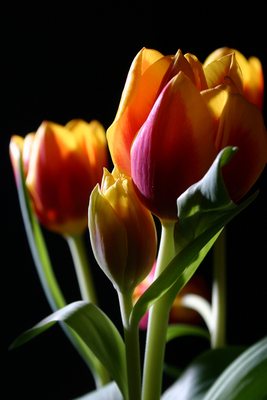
x=131 y=336
x=82 y=268
x=219 y=292
x=158 y=322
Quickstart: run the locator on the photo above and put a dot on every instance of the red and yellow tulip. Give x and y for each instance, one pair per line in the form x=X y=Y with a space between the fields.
x=62 y=164
x=122 y=231
x=175 y=115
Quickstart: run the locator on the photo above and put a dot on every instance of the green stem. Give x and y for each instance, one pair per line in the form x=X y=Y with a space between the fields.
x=82 y=268
x=131 y=337
x=158 y=322
x=219 y=292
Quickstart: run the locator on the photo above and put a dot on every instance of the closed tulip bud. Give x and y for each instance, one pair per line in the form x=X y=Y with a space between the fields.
x=122 y=231
x=62 y=164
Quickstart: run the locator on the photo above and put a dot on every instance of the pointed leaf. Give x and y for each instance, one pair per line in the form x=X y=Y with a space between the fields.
x=245 y=378
x=38 y=247
x=204 y=202
x=95 y=329
x=201 y=373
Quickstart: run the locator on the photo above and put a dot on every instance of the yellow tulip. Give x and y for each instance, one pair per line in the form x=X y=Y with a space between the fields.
x=122 y=231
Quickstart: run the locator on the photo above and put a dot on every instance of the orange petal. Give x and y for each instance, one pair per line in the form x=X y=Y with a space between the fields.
x=241 y=124
x=139 y=93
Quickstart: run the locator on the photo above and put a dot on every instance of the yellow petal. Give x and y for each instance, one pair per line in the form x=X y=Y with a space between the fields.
x=224 y=67
x=197 y=68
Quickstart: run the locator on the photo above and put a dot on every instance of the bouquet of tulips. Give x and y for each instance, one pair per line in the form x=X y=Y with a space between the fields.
x=187 y=146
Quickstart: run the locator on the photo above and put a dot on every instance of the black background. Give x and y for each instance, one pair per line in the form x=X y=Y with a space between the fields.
x=71 y=62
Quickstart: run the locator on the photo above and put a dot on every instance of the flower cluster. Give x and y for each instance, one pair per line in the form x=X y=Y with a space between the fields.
x=188 y=143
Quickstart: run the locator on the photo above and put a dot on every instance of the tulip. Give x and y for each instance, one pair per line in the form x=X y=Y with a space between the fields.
x=168 y=139
x=251 y=73
x=122 y=231
x=62 y=164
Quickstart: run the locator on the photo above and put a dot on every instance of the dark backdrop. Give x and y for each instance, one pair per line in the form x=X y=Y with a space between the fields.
x=71 y=62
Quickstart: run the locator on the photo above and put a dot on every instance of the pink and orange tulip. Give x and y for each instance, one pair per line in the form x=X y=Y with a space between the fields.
x=175 y=116
x=62 y=164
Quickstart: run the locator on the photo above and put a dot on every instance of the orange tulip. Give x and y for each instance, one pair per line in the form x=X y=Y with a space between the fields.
x=62 y=164
x=167 y=135
x=122 y=231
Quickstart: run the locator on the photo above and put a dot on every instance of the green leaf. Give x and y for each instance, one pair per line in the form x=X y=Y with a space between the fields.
x=38 y=247
x=47 y=277
x=245 y=378
x=95 y=329
x=177 y=330
x=204 y=202
x=108 y=392
x=196 y=380
x=204 y=209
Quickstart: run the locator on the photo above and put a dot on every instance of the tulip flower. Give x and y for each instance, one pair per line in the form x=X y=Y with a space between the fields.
x=168 y=140
x=122 y=231
x=251 y=73
x=62 y=164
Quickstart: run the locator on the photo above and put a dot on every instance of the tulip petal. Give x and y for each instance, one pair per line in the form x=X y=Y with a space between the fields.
x=139 y=94
x=219 y=69
x=252 y=73
x=242 y=125
x=15 y=150
x=200 y=79
x=174 y=147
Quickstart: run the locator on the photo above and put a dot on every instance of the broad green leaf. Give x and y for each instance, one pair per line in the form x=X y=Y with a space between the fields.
x=245 y=378
x=204 y=209
x=198 y=377
x=177 y=330
x=108 y=392
x=95 y=329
